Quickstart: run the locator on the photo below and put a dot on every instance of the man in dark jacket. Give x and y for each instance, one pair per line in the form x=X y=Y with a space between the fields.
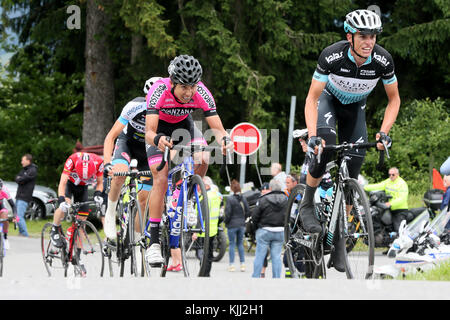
x=268 y=215
x=26 y=179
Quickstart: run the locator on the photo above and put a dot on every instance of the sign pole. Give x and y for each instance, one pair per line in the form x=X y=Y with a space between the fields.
x=242 y=175
x=290 y=138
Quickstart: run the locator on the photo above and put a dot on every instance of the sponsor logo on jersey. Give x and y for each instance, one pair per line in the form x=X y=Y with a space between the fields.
x=381 y=59
x=367 y=72
x=334 y=56
x=208 y=99
x=177 y=112
x=345 y=70
x=156 y=95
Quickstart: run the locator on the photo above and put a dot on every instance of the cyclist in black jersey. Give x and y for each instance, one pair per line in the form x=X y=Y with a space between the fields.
x=346 y=73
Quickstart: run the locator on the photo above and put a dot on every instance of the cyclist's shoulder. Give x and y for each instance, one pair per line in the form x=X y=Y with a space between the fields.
x=134 y=106
x=381 y=56
x=338 y=48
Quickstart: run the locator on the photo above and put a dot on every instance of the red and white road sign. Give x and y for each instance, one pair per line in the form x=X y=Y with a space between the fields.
x=246 y=138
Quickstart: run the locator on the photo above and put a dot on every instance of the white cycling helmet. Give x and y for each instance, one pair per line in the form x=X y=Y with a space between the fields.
x=364 y=21
x=149 y=83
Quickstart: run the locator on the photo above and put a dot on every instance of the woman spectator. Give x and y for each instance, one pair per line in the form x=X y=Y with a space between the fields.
x=236 y=211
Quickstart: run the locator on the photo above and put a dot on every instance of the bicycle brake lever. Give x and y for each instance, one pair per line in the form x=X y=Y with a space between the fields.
x=385 y=148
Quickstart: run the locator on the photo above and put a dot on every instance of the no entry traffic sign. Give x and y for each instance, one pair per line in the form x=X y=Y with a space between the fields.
x=246 y=138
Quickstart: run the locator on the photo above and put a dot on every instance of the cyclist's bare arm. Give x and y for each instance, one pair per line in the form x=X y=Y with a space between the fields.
x=62 y=186
x=315 y=90
x=392 y=109
x=151 y=125
x=215 y=123
x=108 y=145
x=99 y=184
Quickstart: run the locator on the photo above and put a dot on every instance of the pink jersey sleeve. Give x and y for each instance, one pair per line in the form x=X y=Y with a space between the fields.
x=206 y=100
x=4 y=194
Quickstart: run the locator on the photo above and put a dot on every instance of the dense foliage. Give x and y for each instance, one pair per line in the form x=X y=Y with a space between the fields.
x=256 y=54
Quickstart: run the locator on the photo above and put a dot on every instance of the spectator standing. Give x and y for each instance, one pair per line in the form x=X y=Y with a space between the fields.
x=278 y=174
x=291 y=182
x=268 y=215
x=446 y=198
x=26 y=180
x=236 y=211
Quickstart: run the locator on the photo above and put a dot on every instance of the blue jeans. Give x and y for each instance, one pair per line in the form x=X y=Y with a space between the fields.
x=264 y=240
x=21 y=208
x=236 y=238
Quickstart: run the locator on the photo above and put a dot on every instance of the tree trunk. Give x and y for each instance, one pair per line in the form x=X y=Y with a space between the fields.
x=137 y=45
x=98 y=116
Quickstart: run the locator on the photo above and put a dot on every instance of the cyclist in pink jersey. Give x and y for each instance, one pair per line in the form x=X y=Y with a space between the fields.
x=4 y=194
x=170 y=101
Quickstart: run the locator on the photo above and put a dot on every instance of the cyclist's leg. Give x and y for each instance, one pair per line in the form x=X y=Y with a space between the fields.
x=56 y=231
x=120 y=161
x=326 y=129
x=354 y=131
x=156 y=203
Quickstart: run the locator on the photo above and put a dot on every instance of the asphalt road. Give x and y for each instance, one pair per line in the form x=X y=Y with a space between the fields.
x=25 y=277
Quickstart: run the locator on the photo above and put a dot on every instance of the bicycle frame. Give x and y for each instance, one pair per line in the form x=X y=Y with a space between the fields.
x=174 y=214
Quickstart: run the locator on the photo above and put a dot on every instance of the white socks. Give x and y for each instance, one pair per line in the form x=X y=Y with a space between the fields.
x=110 y=220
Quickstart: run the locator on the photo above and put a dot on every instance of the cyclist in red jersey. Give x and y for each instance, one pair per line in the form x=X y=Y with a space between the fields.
x=80 y=170
x=169 y=104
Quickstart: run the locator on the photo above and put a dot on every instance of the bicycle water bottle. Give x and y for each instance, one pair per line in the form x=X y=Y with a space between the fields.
x=69 y=233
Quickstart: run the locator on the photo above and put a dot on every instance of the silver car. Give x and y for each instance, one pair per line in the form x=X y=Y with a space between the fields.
x=38 y=208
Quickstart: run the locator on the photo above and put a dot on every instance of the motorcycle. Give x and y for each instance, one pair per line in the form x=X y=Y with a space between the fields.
x=420 y=246
x=382 y=218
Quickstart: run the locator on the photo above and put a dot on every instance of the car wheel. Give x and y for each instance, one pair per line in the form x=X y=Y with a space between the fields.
x=35 y=210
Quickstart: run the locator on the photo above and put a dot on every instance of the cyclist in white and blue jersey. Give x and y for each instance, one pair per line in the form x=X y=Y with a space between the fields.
x=346 y=73
x=129 y=130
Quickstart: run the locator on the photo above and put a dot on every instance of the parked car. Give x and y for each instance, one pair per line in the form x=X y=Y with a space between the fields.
x=38 y=208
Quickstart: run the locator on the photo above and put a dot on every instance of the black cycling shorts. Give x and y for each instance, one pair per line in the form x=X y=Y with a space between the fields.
x=350 y=122
x=184 y=133
x=80 y=194
x=125 y=150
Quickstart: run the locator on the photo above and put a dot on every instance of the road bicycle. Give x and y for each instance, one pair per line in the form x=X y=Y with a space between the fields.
x=345 y=214
x=185 y=220
x=82 y=246
x=128 y=209
x=2 y=243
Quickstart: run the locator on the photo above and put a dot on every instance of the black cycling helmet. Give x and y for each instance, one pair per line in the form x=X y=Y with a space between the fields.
x=185 y=69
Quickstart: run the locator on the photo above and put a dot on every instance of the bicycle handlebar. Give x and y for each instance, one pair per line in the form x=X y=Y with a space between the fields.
x=350 y=146
x=191 y=149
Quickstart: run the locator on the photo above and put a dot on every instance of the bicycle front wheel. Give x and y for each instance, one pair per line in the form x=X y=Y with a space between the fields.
x=194 y=237
x=55 y=259
x=87 y=254
x=360 y=241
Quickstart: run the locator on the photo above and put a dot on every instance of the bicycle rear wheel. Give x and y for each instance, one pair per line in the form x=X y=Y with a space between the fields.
x=300 y=250
x=194 y=238
x=88 y=259
x=360 y=241
x=55 y=261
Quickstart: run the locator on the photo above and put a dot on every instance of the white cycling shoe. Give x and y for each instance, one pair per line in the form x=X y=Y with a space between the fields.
x=153 y=255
